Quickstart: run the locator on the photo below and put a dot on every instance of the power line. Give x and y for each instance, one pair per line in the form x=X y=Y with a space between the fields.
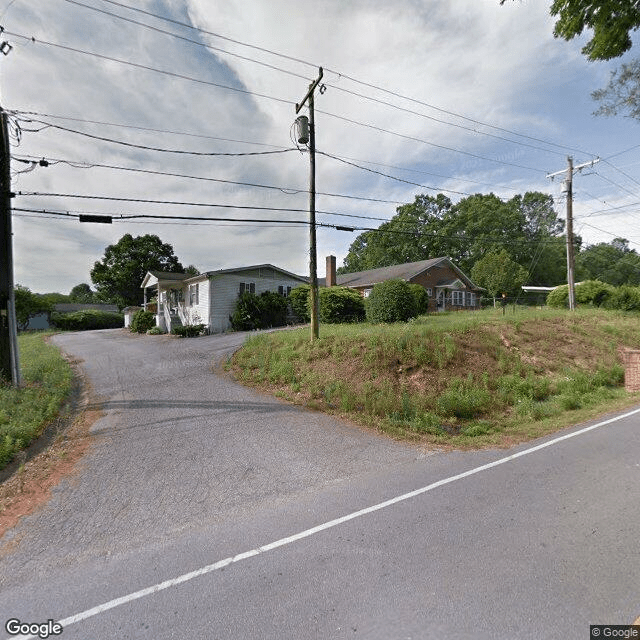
x=21 y=114
x=336 y=87
x=281 y=100
x=177 y=203
x=148 y=68
x=18 y=113
x=341 y=75
x=285 y=190
x=431 y=144
x=159 y=149
x=386 y=175
x=413 y=233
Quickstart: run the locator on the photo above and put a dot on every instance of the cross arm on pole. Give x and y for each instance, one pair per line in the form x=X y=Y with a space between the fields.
x=312 y=88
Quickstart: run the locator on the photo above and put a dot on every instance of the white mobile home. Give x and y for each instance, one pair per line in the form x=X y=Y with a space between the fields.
x=210 y=298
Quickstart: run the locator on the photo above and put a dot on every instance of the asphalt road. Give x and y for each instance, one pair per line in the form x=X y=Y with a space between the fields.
x=208 y=511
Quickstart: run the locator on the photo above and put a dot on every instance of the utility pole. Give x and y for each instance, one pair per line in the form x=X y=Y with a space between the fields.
x=568 y=189
x=313 y=258
x=9 y=360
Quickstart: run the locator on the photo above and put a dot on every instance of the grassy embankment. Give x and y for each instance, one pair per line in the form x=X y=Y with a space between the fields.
x=462 y=380
x=25 y=412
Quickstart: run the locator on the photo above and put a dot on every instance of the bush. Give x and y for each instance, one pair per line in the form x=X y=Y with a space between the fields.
x=155 y=331
x=87 y=320
x=421 y=297
x=559 y=297
x=269 y=309
x=340 y=304
x=624 y=298
x=142 y=321
x=391 y=301
x=188 y=330
x=593 y=292
x=299 y=300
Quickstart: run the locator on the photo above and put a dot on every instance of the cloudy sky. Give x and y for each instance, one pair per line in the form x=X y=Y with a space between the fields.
x=460 y=97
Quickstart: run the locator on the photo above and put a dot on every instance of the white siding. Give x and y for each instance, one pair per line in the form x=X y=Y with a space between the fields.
x=202 y=308
x=224 y=290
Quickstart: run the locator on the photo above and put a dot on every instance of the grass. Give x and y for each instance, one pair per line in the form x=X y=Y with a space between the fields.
x=25 y=412
x=462 y=379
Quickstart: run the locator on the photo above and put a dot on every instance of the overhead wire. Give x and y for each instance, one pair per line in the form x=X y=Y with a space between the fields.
x=274 y=98
x=338 y=74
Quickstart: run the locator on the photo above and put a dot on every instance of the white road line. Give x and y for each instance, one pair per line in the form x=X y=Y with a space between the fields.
x=186 y=577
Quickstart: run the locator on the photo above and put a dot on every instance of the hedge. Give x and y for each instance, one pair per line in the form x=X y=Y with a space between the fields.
x=253 y=311
x=86 y=320
x=340 y=304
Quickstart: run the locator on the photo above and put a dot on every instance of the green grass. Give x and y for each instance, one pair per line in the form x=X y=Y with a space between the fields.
x=25 y=412
x=461 y=379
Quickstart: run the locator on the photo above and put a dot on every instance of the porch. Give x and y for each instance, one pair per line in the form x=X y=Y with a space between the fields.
x=164 y=296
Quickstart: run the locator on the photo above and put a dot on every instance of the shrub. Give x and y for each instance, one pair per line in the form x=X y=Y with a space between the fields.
x=421 y=297
x=391 y=301
x=87 y=320
x=299 y=300
x=340 y=304
x=269 y=309
x=559 y=297
x=593 y=292
x=155 y=331
x=142 y=321
x=188 y=330
x=624 y=298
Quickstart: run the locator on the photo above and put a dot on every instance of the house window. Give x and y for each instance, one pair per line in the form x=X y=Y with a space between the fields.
x=194 y=294
x=471 y=297
x=457 y=298
x=428 y=290
x=284 y=290
x=248 y=287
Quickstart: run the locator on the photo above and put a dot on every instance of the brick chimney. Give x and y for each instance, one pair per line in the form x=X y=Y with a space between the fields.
x=331 y=271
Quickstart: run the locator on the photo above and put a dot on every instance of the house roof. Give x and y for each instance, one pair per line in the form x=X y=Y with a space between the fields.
x=253 y=268
x=405 y=271
x=156 y=276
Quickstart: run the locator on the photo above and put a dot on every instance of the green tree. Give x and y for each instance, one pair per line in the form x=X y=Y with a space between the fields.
x=611 y=262
x=119 y=274
x=81 y=293
x=611 y=23
x=498 y=274
x=527 y=225
x=29 y=305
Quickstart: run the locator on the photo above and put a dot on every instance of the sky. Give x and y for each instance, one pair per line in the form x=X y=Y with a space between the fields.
x=130 y=106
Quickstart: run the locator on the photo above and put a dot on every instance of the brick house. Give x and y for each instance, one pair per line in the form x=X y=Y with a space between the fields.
x=448 y=287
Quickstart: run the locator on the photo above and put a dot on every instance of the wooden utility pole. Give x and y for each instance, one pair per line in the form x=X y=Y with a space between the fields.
x=313 y=257
x=568 y=188
x=9 y=361
x=571 y=281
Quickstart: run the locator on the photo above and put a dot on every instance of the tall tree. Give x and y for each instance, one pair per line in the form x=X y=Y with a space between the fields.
x=119 y=274
x=408 y=237
x=526 y=226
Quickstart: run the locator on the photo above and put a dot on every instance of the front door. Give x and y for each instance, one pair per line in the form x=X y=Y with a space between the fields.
x=440 y=299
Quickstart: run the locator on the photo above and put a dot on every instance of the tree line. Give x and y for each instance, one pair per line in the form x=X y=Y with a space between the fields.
x=500 y=244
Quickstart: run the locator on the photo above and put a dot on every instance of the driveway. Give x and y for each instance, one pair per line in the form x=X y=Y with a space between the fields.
x=206 y=510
